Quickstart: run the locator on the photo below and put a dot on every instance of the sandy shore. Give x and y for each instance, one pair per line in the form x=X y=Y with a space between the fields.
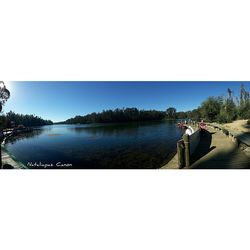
x=238 y=126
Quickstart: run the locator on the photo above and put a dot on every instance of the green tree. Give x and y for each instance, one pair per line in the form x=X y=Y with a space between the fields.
x=228 y=112
x=118 y=115
x=196 y=114
x=244 y=107
x=26 y=120
x=211 y=107
x=171 y=113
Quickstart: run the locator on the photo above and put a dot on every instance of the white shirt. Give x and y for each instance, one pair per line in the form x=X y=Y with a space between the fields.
x=189 y=131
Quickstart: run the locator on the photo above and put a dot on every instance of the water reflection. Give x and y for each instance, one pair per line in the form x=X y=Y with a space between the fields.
x=107 y=130
x=115 y=129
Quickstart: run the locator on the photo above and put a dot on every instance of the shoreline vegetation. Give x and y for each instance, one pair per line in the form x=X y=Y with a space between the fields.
x=12 y=119
x=118 y=116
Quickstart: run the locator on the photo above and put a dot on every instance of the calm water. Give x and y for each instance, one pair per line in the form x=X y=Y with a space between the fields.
x=133 y=145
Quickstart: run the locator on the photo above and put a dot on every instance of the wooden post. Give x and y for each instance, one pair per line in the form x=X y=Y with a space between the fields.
x=187 y=149
x=180 y=152
x=1 y=140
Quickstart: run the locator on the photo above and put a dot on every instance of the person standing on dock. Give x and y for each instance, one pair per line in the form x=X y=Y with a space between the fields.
x=202 y=126
x=189 y=130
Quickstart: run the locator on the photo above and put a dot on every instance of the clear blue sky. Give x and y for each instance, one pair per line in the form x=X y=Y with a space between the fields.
x=59 y=101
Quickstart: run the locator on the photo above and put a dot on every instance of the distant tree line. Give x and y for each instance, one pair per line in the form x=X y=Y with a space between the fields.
x=118 y=115
x=213 y=109
x=19 y=119
x=219 y=109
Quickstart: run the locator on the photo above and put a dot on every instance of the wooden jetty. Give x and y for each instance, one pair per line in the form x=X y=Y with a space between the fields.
x=218 y=149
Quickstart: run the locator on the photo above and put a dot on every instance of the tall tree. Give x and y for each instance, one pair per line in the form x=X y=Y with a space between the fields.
x=171 y=113
x=230 y=93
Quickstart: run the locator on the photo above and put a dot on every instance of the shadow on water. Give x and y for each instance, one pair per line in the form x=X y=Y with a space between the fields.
x=204 y=146
x=116 y=129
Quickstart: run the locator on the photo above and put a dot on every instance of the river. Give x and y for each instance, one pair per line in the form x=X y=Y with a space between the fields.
x=106 y=146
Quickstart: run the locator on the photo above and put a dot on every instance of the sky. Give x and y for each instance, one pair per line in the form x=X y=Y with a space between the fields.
x=58 y=101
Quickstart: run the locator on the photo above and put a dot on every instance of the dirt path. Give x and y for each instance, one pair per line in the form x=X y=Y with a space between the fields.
x=239 y=126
